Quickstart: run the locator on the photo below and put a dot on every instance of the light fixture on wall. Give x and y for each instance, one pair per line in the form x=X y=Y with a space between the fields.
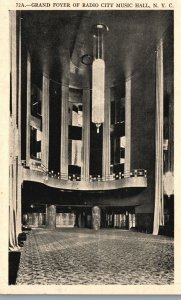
x=98 y=76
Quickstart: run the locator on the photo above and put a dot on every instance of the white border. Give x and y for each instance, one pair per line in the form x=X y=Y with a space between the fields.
x=4 y=153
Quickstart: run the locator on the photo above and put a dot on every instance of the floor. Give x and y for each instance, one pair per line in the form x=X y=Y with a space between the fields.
x=85 y=256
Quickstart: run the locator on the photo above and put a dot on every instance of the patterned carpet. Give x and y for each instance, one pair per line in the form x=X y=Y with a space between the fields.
x=84 y=256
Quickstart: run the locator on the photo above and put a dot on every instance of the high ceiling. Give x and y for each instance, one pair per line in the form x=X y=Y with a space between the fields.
x=55 y=36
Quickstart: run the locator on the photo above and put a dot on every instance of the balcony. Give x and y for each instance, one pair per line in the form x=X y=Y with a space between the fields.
x=38 y=173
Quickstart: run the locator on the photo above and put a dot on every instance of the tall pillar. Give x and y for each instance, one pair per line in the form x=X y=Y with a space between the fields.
x=45 y=122
x=96 y=217
x=28 y=111
x=128 y=125
x=117 y=139
x=86 y=134
x=159 y=198
x=106 y=136
x=51 y=217
x=64 y=131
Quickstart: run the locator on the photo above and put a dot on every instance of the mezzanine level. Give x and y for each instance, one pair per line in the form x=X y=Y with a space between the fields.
x=38 y=173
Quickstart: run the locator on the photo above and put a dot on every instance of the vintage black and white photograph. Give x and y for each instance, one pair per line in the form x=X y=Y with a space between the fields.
x=91 y=157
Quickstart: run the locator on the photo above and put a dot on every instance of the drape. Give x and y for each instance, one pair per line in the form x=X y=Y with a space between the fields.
x=13 y=242
x=159 y=199
x=15 y=121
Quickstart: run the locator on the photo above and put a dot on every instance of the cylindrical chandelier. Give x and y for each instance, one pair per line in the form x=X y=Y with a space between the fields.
x=98 y=77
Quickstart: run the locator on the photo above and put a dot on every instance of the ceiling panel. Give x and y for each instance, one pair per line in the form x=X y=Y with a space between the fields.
x=58 y=40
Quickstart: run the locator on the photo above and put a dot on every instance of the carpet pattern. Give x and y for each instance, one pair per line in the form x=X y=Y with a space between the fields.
x=84 y=256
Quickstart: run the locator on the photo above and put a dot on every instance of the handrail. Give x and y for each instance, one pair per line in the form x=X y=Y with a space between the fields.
x=92 y=178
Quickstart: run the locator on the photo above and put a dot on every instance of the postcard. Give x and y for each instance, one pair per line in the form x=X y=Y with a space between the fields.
x=90 y=147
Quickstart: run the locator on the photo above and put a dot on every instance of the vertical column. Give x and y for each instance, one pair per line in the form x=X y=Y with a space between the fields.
x=45 y=122
x=171 y=136
x=64 y=131
x=106 y=136
x=51 y=217
x=128 y=125
x=96 y=217
x=86 y=133
x=28 y=111
x=117 y=139
x=159 y=207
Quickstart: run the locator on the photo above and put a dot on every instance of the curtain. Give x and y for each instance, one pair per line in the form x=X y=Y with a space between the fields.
x=159 y=200
x=13 y=241
x=14 y=133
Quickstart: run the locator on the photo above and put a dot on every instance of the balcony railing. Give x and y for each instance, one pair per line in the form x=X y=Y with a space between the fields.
x=76 y=177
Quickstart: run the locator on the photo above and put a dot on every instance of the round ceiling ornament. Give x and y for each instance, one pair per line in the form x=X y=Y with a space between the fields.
x=87 y=59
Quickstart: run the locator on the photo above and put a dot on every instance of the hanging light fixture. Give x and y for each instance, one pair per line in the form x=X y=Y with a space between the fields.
x=98 y=76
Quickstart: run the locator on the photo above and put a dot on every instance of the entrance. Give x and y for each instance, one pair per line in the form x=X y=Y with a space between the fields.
x=81 y=217
x=118 y=217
